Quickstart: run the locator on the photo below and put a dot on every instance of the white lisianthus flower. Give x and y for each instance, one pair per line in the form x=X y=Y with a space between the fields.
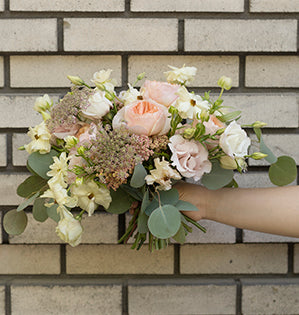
x=162 y=175
x=190 y=105
x=42 y=103
x=182 y=75
x=90 y=195
x=69 y=229
x=129 y=96
x=102 y=79
x=234 y=141
x=98 y=107
x=59 y=168
x=40 y=136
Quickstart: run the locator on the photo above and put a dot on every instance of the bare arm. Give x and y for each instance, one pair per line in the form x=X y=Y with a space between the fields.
x=269 y=210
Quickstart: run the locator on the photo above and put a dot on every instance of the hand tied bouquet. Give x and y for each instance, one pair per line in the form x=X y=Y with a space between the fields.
x=124 y=151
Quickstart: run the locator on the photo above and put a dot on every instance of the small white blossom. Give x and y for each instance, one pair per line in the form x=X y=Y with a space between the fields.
x=59 y=168
x=129 y=96
x=40 y=136
x=102 y=79
x=162 y=175
x=182 y=75
x=70 y=142
x=42 y=103
x=90 y=196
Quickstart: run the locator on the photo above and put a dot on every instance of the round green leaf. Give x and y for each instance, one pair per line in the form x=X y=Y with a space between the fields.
x=39 y=163
x=169 y=197
x=15 y=222
x=30 y=186
x=165 y=221
x=180 y=236
x=52 y=213
x=270 y=158
x=39 y=210
x=283 y=172
x=27 y=202
x=121 y=201
x=138 y=176
x=218 y=177
x=186 y=206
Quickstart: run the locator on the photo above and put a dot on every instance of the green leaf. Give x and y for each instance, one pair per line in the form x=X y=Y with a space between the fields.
x=165 y=221
x=218 y=177
x=154 y=204
x=145 y=201
x=185 y=206
x=258 y=133
x=180 y=236
x=134 y=192
x=120 y=203
x=169 y=197
x=52 y=213
x=271 y=158
x=142 y=223
x=30 y=186
x=39 y=163
x=39 y=210
x=138 y=176
x=27 y=202
x=229 y=116
x=15 y=222
x=283 y=172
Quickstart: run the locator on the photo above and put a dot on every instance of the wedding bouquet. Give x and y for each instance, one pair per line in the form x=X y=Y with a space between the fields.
x=125 y=151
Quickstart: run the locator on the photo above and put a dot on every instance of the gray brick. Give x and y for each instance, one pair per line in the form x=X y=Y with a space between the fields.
x=272 y=71
x=58 y=299
x=120 y=259
x=280 y=144
x=1 y=72
x=2 y=299
x=8 y=188
x=29 y=259
x=3 y=150
x=270 y=299
x=182 y=299
x=210 y=68
x=17 y=111
x=274 y=6
x=240 y=35
x=188 y=6
x=277 y=110
x=19 y=157
x=237 y=258
x=258 y=237
x=120 y=34
x=253 y=180
x=2 y=5
x=61 y=5
x=28 y=35
x=29 y=71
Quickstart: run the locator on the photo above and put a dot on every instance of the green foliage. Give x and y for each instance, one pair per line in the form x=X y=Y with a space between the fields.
x=218 y=177
x=52 y=213
x=30 y=186
x=15 y=222
x=283 y=171
x=27 y=202
x=180 y=236
x=138 y=176
x=142 y=223
x=121 y=201
x=230 y=116
x=271 y=158
x=39 y=210
x=185 y=206
x=39 y=163
x=164 y=221
x=134 y=192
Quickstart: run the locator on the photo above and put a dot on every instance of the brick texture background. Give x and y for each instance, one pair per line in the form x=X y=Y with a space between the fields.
x=226 y=271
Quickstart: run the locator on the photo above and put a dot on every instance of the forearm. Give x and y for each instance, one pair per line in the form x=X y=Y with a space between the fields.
x=270 y=210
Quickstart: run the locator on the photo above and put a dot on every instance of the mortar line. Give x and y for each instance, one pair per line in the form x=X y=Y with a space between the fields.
x=125 y=299
x=7 y=300
x=181 y=36
x=60 y=35
x=238 y=297
x=290 y=258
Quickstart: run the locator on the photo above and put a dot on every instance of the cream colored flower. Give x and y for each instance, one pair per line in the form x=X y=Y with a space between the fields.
x=102 y=79
x=162 y=175
x=90 y=196
x=225 y=82
x=40 y=136
x=70 y=142
x=43 y=103
x=182 y=75
x=69 y=229
x=59 y=168
x=98 y=107
x=130 y=95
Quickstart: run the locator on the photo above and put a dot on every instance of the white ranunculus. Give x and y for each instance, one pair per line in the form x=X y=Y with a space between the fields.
x=40 y=136
x=182 y=75
x=98 y=107
x=90 y=196
x=234 y=141
x=42 y=103
x=69 y=229
x=162 y=175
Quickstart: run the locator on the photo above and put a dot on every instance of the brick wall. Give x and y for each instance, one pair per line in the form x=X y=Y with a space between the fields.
x=226 y=271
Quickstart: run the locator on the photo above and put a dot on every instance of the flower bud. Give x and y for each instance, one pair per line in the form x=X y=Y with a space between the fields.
x=109 y=96
x=79 y=181
x=259 y=124
x=45 y=115
x=228 y=163
x=258 y=155
x=81 y=150
x=225 y=82
x=141 y=76
x=71 y=141
x=220 y=131
x=75 y=80
x=42 y=103
x=204 y=115
x=189 y=133
x=100 y=86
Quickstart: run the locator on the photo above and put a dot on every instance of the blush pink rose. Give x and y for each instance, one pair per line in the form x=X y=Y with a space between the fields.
x=161 y=92
x=213 y=125
x=189 y=157
x=63 y=131
x=143 y=118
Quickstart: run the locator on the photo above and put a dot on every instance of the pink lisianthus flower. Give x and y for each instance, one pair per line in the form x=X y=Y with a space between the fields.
x=143 y=118
x=161 y=92
x=189 y=157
